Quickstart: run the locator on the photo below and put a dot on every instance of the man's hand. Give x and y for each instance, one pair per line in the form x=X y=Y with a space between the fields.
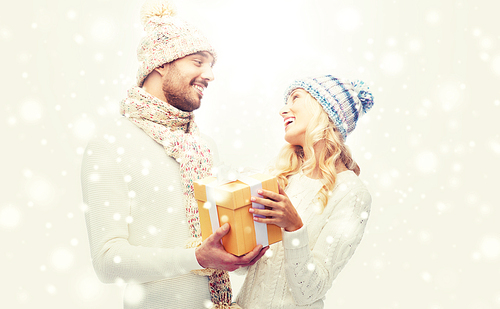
x=211 y=253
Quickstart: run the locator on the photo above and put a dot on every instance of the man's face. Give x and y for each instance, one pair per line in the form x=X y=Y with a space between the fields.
x=186 y=79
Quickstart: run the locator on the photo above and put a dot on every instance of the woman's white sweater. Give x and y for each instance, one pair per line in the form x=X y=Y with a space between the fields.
x=297 y=272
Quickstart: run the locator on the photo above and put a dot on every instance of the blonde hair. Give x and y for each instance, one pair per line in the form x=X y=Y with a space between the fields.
x=291 y=159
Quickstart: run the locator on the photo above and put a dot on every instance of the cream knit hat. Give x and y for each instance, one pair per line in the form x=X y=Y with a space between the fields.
x=167 y=38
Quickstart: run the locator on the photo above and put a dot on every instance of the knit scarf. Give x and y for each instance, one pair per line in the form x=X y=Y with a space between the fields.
x=177 y=132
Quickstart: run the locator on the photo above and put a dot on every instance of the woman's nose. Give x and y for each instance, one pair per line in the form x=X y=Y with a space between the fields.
x=284 y=110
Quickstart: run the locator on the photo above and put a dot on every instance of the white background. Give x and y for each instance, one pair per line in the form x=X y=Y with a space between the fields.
x=429 y=149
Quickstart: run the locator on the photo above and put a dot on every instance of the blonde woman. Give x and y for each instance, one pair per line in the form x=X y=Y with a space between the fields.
x=322 y=205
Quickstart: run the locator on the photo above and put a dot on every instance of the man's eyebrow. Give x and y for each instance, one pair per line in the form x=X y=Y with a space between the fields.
x=205 y=55
x=202 y=53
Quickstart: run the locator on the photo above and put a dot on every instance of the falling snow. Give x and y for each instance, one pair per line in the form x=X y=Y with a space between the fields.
x=428 y=150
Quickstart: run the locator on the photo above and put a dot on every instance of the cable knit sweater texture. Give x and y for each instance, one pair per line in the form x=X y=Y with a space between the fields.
x=297 y=272
x=136 y=220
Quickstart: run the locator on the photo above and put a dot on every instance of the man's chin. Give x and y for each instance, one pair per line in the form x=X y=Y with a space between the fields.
x=196 y=104
x=192 y=106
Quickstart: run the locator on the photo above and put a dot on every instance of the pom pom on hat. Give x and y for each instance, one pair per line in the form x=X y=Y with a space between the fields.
x=344 y=101
x=156 y=8
x=364 y=94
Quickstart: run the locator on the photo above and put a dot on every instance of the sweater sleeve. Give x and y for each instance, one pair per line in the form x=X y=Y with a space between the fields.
x=107 y=199
x=310 y=271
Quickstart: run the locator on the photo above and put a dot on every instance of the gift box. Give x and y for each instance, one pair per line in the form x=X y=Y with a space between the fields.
x=232 y=201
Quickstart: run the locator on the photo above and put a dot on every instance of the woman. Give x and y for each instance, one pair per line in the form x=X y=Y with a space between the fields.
x=324 y=207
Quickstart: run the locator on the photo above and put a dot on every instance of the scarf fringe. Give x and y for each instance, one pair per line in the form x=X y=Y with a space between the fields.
x=226 y=306
x=193 y=243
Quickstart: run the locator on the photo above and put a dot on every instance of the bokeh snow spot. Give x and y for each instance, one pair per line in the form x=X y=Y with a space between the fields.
x=207 y=205
x=348 y=19
x=237 y=144
x=486 y=43
x=103 y=30
x=41 y=191
x=378 y=264
x=134 y=295
x=5 y=34
x=153 y=230
x=89 y=288
x=432 y=17
x=62 y=259
x=490 y=247
x=78 y=38
x=83 y=128
x=426 y=276
x=51 y=289
x=224 y=219
x=425 y=236
x=23 y=296
x=495 y=146
x=495 y=65
x=71 y=14
x=385 y=180
x=94 y=177
x=426 y=162
x=442 y=207
x=415 y=45
x=392 y=63
x=449 y=96
x=10 y=217
x=31 y=111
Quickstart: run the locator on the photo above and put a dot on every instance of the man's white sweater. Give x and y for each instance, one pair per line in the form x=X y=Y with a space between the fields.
x=136 y=220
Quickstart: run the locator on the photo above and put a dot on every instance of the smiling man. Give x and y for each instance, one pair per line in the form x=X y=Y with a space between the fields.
x=137 y=175
x=182 y=81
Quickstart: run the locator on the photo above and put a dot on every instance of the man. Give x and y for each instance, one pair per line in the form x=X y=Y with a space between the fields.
x=137 y=176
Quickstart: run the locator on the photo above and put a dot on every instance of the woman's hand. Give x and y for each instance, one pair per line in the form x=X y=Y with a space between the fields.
x=279 y=210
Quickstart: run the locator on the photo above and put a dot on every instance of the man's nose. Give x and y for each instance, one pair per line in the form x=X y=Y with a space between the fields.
x=208 y=74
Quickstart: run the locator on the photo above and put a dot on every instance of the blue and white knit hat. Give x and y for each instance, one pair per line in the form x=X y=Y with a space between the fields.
x=344 y=101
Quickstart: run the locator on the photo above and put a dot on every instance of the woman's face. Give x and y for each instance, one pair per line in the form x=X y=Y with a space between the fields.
x=296 y=116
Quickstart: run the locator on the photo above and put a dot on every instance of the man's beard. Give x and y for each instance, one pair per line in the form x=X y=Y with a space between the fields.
x=177 y=94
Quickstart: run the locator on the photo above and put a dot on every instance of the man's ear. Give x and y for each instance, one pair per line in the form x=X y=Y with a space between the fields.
x=162 y=69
